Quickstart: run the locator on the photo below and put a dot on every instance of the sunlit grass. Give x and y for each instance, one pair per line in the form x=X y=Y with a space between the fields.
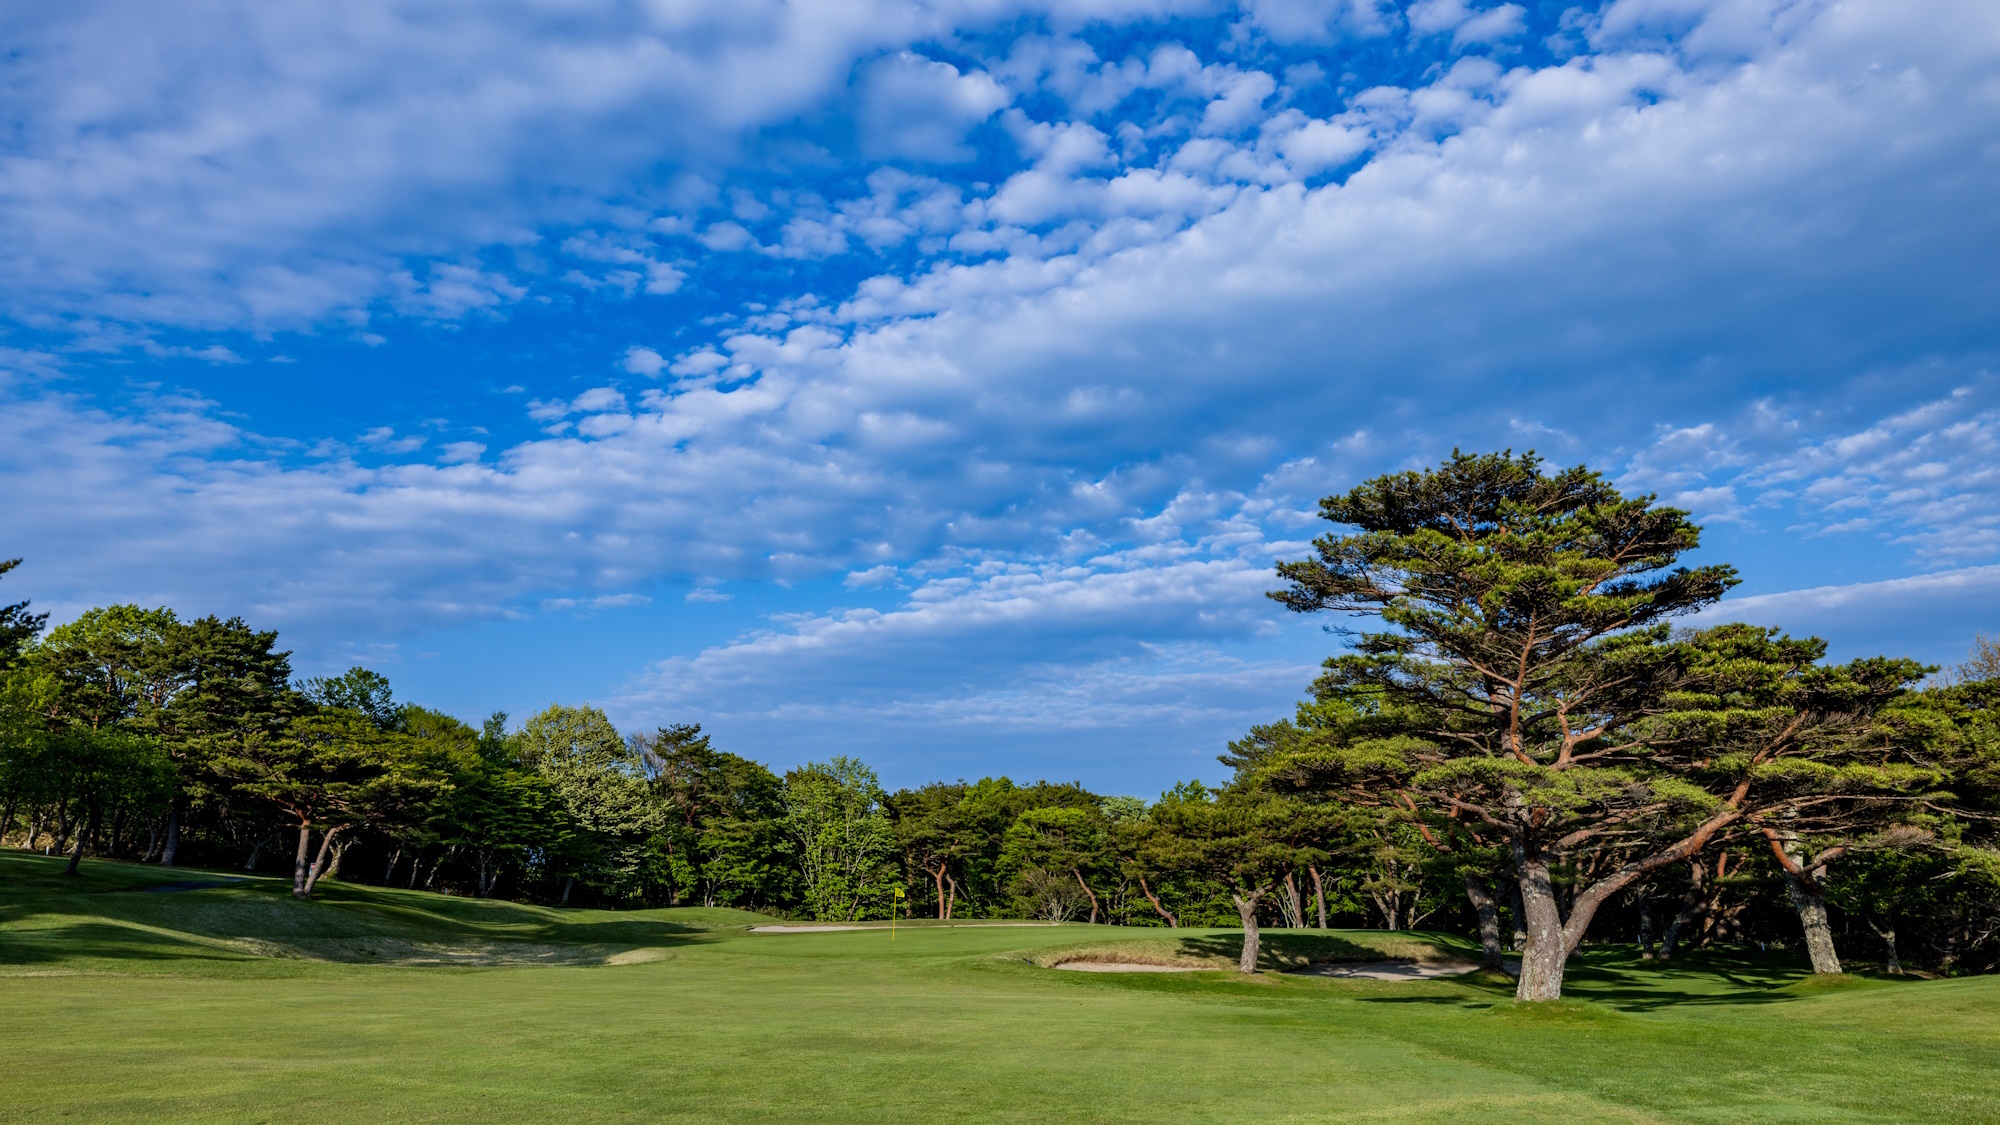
x=236 y=1004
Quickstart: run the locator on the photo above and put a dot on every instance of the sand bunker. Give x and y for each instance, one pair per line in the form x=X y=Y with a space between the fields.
x=1389 y=970
x=1127 y=967
x=639 y=956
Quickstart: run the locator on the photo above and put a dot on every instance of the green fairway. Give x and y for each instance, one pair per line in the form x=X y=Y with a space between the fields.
x=232 y=1003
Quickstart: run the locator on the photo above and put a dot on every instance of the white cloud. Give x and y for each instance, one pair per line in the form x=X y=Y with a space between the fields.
x=643 y=361
x=1932 y=617
x=1093 y=431
x=914 y=108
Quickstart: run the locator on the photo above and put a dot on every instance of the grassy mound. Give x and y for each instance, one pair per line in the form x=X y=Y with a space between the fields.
x=124 y=915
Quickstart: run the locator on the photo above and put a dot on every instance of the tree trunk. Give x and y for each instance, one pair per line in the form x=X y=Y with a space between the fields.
x=1246 y=909
x=1087 y=891
x=7 y=821
x=76 y=853
x=1808 y=897
x=1542 y=959
x=65 y=820
x=319 y=864
x=1693 y=905
x=256 y=851
x=1810 y=902
x=569 y=884
x=951 y=903
x=299 y=860
x=1645 y=928
x=1887 y=933
x=1173 y=923
x=1490 y=958
x=173 y=834
x=1295 y=915
x=938 y=878
x=395 y=857
x=1319 y=896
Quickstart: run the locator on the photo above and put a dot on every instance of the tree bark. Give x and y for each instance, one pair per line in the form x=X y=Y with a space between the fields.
x=319 y=863
x=951 y=903
x=256 y=850
x=569 y=884
x=1693 y=905
x=1319 y=896
x=1645 y=928
x=395 y=857
x=1295 y=911
x=173 y=834
x=1173 y=923
x=1087 y=891
x=299 y=860
x=76 y=852
x=1489 y=924
x=1808 y=897
x=1246 y=909
x=1887 y=932
x=1810 y=902
x=1546 y=950
x=65 y=820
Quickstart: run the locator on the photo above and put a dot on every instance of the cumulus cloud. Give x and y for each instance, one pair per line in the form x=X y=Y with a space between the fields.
x=914 y=108
x=1931 y=616
x=1056 y=434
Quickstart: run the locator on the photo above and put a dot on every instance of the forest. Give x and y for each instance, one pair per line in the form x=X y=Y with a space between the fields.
x=1528 y=748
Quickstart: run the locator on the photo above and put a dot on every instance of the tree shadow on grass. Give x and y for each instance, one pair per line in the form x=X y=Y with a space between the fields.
x=73 y=942
x=1288 y=950
x=1616 y=978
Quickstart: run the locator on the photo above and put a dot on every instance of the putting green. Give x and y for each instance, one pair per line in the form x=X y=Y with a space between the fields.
x=232 y=1003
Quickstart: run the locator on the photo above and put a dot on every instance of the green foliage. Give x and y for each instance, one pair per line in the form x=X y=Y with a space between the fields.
x=836 y=826
x=356 y=689
x=722 y=834
x=18 y=627
x=599 y=784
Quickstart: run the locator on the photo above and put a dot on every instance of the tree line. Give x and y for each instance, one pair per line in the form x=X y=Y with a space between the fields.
x=1525 y=747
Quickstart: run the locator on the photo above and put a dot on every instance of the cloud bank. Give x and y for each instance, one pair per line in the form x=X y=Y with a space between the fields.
x=1034 y=335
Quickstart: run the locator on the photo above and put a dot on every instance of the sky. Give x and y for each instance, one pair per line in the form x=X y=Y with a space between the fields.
x=938 y=383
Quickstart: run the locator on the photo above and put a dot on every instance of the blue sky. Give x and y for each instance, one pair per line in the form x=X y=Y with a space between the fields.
x=938 y=382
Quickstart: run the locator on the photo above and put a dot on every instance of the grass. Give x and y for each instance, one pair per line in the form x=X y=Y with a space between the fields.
x=231 y=1003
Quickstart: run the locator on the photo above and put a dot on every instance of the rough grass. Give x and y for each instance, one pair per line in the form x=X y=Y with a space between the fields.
x=131 y=1006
